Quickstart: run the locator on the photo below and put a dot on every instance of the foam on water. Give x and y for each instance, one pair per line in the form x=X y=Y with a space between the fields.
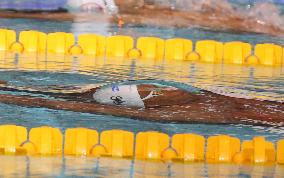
x=264 y=12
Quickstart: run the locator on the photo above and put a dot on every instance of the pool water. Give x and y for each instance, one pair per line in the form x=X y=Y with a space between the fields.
x=241 y=81
x=136 y=30
x=117 y=168
x=269 y=87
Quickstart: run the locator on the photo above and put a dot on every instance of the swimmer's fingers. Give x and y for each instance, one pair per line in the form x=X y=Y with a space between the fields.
x=157 y=93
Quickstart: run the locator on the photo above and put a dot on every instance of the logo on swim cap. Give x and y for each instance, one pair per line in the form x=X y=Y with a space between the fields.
x=114 y=88
x=117 y=100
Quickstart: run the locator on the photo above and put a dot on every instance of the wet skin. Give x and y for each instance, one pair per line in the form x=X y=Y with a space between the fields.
x=171 y=105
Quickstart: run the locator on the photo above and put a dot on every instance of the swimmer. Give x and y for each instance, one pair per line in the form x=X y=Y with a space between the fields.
x=149 y=100
x=217 y=15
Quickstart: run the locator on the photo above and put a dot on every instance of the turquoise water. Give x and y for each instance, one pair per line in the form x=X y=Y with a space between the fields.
x=257 y=82
x=33 y=117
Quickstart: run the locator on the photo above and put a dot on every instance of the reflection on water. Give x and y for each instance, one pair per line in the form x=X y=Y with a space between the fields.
x=241 y=81
x=137 y=31
x=20 y=166
x=90 y=27
x=238 y=81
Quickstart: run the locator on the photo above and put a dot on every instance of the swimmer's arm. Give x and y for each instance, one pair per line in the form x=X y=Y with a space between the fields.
x=55 y=90
x=192 y=113
x=41 y=16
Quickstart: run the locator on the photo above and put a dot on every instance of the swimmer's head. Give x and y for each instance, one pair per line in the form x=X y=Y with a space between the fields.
x=101 y=6
x=123 y=95
x=142 y=96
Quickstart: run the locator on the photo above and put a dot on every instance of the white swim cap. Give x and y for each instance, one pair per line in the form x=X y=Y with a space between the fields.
x=107 y=5
x=124 y=95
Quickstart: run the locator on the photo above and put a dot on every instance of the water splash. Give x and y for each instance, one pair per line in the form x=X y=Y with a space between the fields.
x=204 y=5
x=267 y=13
x=255 y=14
x=260 y=16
